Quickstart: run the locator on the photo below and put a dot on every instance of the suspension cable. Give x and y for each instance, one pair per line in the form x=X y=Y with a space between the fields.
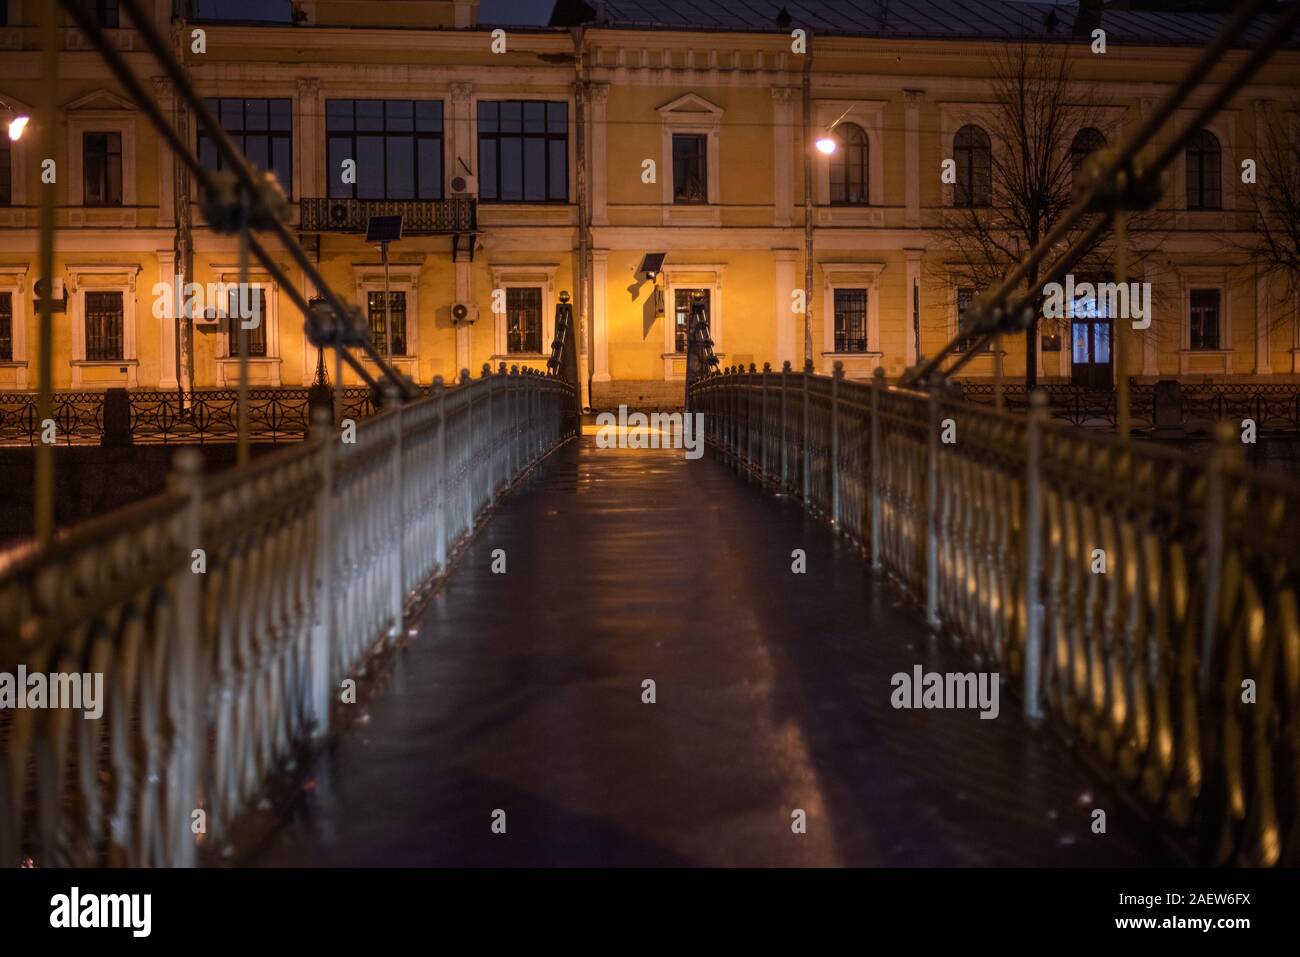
x=238 y=164
x=991 y=314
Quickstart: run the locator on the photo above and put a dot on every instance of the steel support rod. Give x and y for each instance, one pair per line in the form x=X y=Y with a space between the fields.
x=44 y=517
x=238 y=164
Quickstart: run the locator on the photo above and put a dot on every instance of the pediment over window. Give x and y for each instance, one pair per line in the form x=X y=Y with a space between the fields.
x=692 y=105
x=99 y=100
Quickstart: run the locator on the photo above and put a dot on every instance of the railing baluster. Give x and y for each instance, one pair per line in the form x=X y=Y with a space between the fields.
x=1033 y=554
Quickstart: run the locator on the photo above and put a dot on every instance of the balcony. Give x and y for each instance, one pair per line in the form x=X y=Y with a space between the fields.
x=419 y=216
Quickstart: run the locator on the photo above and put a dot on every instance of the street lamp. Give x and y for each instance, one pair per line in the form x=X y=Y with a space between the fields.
x=17 y=125
x=826 y=144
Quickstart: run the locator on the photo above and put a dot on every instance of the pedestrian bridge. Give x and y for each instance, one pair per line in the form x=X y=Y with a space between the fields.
x=475 y=636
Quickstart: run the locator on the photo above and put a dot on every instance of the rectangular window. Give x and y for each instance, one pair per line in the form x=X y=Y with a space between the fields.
x=260 y=129
x=523 y=151
x=396 y=146
x=103 y=325
x=6 y=172
x=397 y=312
x=682 y=314
x=102 y=169
x=690 y=168
x=850 y=320
x=234 y=319
x=104 y=12
x=524 y=319
x=1205 y=319
x=965 y=296
x=6 y=327
x=263 y=11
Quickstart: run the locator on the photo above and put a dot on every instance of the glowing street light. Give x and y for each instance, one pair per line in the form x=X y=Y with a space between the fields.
x=826 y=145
x=17 y=125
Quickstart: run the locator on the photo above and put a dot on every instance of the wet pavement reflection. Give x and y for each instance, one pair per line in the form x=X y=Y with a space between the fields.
x=523 y=694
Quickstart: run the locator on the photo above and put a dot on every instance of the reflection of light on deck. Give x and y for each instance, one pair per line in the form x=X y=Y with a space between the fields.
x=590 y=428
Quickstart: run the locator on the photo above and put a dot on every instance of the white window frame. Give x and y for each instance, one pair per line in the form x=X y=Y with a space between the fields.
x=680 y=276
x=523 y=276
x=980 y=363
x=1224 y=126
x=13 y=280
x=870 y=116
x=1205 y=277
x=81 y=121
x=852 y=276
x=451 y=167
x=952 y=117
x=405 y=279
x=103 y=277
x=227 y=359
x=20 y=158
x=704 y=118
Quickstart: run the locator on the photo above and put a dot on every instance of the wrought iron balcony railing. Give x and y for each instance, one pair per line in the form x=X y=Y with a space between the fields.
x=418 y=215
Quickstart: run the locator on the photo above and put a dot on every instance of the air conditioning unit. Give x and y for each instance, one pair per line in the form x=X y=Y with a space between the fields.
x=462 y=184
x=463 y=312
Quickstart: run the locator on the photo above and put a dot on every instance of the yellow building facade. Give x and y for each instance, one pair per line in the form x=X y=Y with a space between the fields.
x=693 y=146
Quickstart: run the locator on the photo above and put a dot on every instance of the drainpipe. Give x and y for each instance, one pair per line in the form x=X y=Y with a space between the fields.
x=582 y=272
x=808 y=159
x=183 y=244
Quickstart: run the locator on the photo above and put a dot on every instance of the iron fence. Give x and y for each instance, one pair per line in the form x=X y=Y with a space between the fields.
x=279 y=414
x=225 y=614
x=1173 y=662
x=1274 y=407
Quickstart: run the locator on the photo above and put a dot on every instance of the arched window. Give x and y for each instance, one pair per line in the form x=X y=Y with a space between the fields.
x=850 y=169
x=1086 y=142
x=974 y=156
x=1203 y=161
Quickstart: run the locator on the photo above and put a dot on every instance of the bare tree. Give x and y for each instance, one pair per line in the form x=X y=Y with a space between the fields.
x=1009 y=196
x=1273 y=244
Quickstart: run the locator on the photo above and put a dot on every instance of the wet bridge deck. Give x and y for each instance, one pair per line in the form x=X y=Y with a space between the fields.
x=523 y=692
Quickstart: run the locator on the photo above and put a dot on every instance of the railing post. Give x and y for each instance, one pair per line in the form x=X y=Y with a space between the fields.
x=932 y=516
x=762 y=426
x=320 y=654
x=837 y=376
x=806 y=441
x=1225 y=453
x=491 y=436
x=397 y=530
x=1033 y=571
x=785 y=439
x=467 y=384
x=749 y=414
x=877 y=382
x=186 y=687
x=440 y=477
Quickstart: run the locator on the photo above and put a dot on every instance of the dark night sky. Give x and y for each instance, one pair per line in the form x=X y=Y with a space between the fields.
x=490 y=11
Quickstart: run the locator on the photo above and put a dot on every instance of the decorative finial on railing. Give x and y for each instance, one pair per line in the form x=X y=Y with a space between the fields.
x=838 y=370
x=564 y=295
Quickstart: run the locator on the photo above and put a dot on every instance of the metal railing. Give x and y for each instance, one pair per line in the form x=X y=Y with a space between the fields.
x=225 y=613
x=1273 y=407
x=276 y=414
x=419 y=216
x=1173 y=663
